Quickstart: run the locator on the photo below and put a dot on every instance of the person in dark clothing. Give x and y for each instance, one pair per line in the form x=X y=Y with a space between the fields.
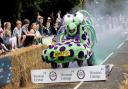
x=25 y=30
x=3 y=48
x=30 y=35
x=1 y=40
x=48 y=30
x=42 y=28
x=54 y=30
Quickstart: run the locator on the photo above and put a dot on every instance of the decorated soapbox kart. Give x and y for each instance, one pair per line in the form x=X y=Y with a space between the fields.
x=75 y=40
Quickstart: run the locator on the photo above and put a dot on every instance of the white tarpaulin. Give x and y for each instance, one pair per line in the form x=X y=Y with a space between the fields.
x=88 y=73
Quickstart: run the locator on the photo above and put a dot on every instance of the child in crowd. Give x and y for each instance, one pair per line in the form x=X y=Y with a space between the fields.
x=38 y=37
x=25 y=30
x=31 y=35
x=9 y=41
x=17 y=32
x=3 y=48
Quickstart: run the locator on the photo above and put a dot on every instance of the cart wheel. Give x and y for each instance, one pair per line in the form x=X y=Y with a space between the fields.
x=54 y=65
x=90 y=60
x=79 y=63
x=43 y=58
x=65 y=65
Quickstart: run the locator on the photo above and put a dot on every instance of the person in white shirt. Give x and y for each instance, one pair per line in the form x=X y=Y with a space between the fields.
x=17 y=32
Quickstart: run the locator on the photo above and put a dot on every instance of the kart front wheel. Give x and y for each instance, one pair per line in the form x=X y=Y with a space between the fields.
x=65 y=65
x=90 y=60
x=53 y=65
x=79 y=63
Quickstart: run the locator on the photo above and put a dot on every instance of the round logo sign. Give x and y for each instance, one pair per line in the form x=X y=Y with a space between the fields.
x=80 y=74
x=53 y=76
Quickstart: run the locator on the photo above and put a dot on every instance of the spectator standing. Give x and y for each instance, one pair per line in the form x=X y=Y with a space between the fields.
x=40 y=21
x=48 y=30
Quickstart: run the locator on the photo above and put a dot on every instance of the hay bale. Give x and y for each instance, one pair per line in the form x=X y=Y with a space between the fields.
x=124 y=84
x=23 y=61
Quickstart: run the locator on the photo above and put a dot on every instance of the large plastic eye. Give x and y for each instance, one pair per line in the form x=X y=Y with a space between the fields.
x=68 y=18
x=78 y=17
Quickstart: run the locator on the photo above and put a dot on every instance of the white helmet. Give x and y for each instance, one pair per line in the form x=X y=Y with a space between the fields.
x=79 y=17
x=68 y=18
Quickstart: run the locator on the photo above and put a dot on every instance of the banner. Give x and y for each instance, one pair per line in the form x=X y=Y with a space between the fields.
x=88 y=73
x=5 y=71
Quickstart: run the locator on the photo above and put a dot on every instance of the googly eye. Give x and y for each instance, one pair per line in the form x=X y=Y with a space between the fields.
x=68 y=18
x=78 y=17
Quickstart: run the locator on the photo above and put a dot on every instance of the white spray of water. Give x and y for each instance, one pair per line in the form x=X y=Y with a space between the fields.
x=110 y=20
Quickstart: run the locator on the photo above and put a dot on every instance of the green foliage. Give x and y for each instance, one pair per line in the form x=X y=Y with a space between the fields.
x=29 y=8
x=21 y=9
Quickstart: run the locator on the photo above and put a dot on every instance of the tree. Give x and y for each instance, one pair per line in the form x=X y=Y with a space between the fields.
x=20 y=9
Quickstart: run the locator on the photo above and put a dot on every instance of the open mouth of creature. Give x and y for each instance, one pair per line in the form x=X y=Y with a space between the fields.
x=72 y=30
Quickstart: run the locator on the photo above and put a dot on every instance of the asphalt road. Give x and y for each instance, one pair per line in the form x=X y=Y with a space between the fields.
x=111 y=48
x=118 y=57
x=120 y=60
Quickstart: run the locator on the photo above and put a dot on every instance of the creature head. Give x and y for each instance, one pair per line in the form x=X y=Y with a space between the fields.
x=72 y=21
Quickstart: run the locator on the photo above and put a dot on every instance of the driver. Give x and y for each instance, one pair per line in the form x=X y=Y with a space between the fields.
x=71 y=31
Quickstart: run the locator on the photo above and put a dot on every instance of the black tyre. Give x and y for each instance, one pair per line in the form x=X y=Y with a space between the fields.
x=90 y=61
x=43 y=58
x=65 y=65
x=80 y=63
x=53 y=65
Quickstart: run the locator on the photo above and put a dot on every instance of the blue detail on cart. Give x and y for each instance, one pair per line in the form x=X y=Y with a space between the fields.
x=5 y=71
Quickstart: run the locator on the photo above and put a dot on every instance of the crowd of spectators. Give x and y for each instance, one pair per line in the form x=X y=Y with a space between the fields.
x=26 y=33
